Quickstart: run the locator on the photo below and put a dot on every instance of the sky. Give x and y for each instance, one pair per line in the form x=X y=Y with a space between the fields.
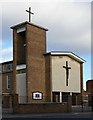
x=68 y=23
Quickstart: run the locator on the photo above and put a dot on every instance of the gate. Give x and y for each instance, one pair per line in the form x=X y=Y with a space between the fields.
x=7 y=104
x=85 y=106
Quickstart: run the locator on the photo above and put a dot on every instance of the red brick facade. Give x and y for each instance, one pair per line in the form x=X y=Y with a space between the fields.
x=7 y=78
x=89 y=89
x=89 y=86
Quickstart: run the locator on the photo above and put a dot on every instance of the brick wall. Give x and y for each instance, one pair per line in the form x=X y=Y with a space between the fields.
x=42 y=107
x=48 y=78
x=7 y=101
x=89 y=88
x=35 y=61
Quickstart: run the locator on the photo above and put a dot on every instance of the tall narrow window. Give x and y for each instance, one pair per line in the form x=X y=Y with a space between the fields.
x=8 y=81
x=4 y=68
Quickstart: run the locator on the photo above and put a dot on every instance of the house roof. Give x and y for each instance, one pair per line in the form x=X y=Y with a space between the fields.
x=89 y=81
x=66 y=53
x=23 y=23
x=7 y=62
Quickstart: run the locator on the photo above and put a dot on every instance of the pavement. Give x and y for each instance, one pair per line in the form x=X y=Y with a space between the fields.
x=51 y=115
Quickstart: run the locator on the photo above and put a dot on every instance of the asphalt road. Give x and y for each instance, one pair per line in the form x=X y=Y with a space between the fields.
x=68 y=116
x=47 y=119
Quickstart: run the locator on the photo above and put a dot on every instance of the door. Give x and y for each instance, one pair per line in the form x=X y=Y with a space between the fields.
x=65 y=96
x=56 y=96
x=74 y=99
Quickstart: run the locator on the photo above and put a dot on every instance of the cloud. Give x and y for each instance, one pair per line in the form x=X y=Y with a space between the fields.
x=12 y=13
x=6 y=54
x=68 y=22
x=71 y=29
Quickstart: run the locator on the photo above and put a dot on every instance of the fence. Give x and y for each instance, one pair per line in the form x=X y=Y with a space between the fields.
x=84 y=107
x=81 y=109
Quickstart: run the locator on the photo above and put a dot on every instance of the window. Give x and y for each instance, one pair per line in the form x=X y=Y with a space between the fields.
x=37 y=95
x=9 y=67
x=9 y=81
x=4 y=68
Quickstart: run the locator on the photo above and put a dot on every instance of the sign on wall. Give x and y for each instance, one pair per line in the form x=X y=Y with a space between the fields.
x=37 y=95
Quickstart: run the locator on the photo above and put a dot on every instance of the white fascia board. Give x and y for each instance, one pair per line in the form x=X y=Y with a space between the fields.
x=69 y=54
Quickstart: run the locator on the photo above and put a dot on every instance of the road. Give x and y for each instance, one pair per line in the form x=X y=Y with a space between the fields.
x=56 y=116
x=47 y=119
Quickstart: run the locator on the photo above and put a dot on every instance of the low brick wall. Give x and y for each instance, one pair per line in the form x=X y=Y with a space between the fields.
x=42 y=107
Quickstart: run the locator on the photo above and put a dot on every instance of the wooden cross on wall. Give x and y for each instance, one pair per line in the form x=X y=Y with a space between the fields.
x=67 y=72
x=29 y=11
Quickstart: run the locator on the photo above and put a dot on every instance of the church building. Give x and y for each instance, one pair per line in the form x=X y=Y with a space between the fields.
x=66 y=76
x=39 y=76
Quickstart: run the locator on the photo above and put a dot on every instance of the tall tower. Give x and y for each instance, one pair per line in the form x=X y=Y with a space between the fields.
x=29 y=46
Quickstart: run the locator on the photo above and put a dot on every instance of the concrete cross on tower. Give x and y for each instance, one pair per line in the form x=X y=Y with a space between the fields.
x=29 y=11
x=67 y=72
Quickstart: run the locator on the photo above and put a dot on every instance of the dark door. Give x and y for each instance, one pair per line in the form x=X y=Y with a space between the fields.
x=56 y=97
x=73 y=99
x=65 y=96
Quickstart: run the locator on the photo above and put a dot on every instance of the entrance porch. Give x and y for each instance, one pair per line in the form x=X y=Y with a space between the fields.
x=63 y=97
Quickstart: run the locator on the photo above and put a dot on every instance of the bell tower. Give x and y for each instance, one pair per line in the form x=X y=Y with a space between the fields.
x=29 y=46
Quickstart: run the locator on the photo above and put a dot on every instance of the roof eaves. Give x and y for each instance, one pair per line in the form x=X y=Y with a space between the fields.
x=66 y=53
x=23 y=23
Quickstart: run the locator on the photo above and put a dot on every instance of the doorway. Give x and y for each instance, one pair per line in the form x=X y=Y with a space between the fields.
x=56 y=96
x=65 y=96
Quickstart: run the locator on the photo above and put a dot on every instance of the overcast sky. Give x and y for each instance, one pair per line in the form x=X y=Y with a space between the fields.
x=68 y=24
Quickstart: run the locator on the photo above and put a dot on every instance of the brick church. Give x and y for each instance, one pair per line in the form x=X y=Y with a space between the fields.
x=39 y=76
